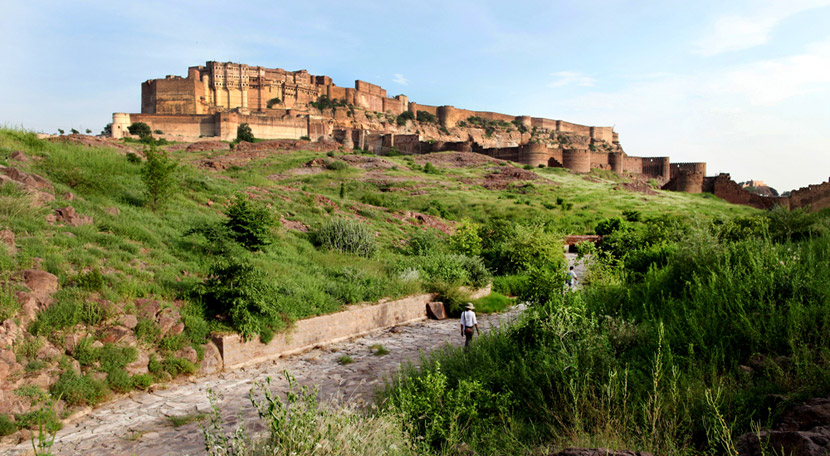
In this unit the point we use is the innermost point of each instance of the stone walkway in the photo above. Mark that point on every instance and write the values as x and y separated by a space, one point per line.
141 423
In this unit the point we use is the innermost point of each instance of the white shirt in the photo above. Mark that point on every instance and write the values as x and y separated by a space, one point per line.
468 318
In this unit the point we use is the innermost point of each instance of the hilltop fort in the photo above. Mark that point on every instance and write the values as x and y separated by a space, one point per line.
215 99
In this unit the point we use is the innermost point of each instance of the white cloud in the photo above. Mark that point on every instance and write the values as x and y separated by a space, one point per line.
736 33
769 82
400 79
563 78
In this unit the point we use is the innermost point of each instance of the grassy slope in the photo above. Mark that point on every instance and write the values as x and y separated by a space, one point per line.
144 254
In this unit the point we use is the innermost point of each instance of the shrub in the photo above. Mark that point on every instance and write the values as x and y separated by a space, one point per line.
610 225
147 330
176 366
466 240
158 177
119 381
424 116
7 426
78 390
63 314
272 102
337 165
139 129
305 138
403 117
240 291
141 381
345 359
249 223
85 353
133 158
244 133
423 242
429 168
347 236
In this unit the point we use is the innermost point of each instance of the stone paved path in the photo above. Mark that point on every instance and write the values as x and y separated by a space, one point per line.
140 424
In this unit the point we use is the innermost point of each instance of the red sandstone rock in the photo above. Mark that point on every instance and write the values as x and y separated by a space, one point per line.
70 217
41 283
294 225
168 320
128 321
116 334
436 311
147 308
212 361
139 366
7 238
30 181
803 430
112 211
69 196
203 146
188 353
19 156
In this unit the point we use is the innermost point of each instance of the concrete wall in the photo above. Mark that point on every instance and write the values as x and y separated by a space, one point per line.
322 330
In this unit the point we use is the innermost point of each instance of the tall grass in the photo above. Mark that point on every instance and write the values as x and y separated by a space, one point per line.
680 360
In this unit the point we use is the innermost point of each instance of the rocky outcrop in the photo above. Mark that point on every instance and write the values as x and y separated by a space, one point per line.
68 216
803 430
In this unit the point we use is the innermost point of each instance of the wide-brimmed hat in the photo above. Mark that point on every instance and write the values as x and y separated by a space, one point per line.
469 306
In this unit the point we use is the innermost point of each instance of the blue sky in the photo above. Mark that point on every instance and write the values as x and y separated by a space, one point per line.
742 85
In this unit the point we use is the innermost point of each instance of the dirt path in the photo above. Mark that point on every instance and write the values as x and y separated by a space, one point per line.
141 425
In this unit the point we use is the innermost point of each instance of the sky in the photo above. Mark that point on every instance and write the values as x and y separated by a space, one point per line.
742 85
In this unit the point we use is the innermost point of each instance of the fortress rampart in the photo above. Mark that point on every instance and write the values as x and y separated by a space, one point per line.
215 98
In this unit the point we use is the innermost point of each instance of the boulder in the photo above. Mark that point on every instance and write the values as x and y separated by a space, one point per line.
19 156
9 332
139 366
40 282
116 334
188 353
147 308
167 320
69 196
212 361
7 239
30 181
49 352
8 364
68 216
112 211
803 430
436 311
71 341
128 321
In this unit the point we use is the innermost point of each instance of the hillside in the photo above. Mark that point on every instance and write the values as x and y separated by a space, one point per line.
104 292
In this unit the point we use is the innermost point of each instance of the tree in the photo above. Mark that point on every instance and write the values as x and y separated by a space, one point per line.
88 131
107 131
249 223
140 129
158 177
74 131
244 133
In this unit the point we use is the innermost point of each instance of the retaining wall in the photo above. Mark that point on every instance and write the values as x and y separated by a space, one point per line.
327 329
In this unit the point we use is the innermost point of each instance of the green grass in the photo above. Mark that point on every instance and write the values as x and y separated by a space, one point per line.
345 359
493 303
131 252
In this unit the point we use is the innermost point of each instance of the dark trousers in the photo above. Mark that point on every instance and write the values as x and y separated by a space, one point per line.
468 337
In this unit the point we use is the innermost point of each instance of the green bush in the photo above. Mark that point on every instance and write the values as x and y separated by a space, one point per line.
403 117
249 223
235 288
141 381
424 116
272 102
337 165
63 314
244 133
119 381
147 330
140 129
347 236
7 425
85 353
78 390
177 366
423 242
158 175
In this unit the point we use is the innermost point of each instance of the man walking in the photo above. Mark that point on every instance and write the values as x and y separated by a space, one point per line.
468 322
